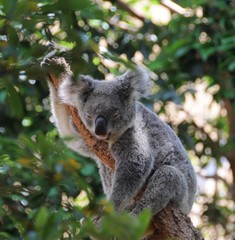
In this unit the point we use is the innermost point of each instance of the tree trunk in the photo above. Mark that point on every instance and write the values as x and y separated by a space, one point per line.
225 82
231 153
170 223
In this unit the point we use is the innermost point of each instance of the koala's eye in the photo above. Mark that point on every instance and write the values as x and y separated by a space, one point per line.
88 116
115 115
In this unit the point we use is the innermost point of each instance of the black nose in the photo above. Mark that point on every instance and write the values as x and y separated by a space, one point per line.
100 126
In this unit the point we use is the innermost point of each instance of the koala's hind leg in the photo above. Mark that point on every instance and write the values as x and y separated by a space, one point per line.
166 185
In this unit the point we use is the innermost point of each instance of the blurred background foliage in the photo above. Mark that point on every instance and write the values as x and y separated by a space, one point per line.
189 49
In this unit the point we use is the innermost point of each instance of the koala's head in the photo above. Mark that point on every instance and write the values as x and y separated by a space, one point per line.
107 108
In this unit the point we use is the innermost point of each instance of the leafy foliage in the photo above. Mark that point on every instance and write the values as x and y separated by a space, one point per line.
45 188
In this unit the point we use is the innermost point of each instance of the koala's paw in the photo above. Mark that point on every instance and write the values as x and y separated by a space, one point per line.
57 66
136 210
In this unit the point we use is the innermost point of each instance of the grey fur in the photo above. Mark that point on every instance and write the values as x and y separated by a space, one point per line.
145 149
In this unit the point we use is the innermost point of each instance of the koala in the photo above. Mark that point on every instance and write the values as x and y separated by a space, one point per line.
148 155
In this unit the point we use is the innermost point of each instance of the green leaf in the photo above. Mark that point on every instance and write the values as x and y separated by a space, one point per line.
143 222
74 5
14 101
207 52
5 236
231 66
115 58
70 5
228 40
41 218
176 46
88 169
229 93
3 95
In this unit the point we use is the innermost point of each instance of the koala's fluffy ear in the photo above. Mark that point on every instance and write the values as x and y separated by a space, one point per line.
71 91
85 85
136 83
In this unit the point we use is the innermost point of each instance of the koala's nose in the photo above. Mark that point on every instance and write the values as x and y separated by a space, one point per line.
100 126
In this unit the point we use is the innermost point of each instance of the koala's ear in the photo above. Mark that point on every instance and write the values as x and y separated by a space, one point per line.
85 85
136 83
70 91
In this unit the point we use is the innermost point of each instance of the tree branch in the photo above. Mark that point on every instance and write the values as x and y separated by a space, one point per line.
175 8
97 146
172 6
126 8
170 223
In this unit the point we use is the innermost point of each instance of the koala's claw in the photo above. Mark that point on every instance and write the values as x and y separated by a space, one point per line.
45 63
60 61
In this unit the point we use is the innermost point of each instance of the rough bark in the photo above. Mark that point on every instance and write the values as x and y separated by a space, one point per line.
225 82
231 154
170 223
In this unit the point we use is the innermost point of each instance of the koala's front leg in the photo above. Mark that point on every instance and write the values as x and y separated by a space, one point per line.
132 167
59 109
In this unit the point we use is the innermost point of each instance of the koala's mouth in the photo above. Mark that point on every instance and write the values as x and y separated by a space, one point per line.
103 137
